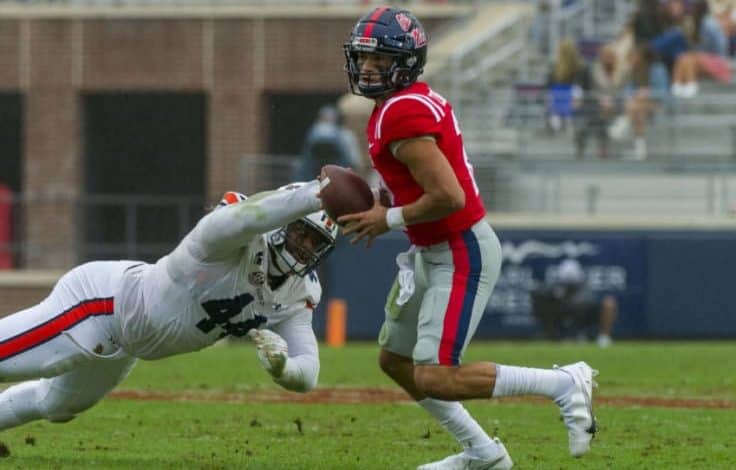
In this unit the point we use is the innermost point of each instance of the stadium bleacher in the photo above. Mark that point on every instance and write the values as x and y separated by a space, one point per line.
504 119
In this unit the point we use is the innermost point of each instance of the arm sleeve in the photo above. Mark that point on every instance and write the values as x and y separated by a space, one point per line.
301 372
229 228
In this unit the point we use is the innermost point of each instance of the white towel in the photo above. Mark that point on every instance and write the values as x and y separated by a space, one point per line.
405 262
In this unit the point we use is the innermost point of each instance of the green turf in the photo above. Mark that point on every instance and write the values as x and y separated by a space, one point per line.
156 434
666 369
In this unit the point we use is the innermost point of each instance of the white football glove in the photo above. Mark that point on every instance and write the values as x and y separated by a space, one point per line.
272 350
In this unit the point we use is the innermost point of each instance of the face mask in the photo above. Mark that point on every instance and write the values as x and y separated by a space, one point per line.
298 248
282 261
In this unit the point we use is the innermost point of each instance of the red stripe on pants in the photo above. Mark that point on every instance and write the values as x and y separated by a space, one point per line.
52 328
457 295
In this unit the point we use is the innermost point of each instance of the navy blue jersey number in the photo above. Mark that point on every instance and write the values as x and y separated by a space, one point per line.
221 311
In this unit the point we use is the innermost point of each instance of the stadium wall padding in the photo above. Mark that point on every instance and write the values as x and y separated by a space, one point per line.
669 283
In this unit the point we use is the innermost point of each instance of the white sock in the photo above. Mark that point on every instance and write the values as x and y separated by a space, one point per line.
18 405
457 421
512 380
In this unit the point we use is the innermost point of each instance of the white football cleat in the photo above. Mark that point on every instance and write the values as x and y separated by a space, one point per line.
576 407
463 461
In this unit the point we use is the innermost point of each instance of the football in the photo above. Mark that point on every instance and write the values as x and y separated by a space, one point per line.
343 191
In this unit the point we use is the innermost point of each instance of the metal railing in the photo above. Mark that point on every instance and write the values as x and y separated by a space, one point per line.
134 226
143 227
605 189
261 172
474 60
148 227
574 19
484 58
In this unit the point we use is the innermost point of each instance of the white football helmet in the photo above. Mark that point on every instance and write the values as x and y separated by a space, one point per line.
301 245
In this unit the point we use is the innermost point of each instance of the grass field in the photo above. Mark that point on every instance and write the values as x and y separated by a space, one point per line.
668 405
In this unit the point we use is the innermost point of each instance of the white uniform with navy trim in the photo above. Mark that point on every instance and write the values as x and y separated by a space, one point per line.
188 300
84 338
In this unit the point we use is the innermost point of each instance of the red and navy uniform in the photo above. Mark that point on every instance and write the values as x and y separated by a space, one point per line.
413 112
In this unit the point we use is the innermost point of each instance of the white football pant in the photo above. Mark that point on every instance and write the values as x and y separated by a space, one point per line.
64 342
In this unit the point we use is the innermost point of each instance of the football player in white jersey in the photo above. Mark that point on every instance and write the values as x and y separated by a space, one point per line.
245 269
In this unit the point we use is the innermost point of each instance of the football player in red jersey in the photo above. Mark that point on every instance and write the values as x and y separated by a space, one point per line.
446 278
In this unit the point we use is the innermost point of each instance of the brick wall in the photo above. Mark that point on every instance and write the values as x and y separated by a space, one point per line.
53 60
19 298
20 290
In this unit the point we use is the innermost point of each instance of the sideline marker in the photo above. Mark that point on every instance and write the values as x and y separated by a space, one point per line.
337 312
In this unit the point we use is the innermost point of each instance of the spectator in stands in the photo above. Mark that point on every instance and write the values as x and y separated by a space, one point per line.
707 57
602 100
708 33
647 92
725 12
647 21
671 40
564 84
328 142
566 307
689 44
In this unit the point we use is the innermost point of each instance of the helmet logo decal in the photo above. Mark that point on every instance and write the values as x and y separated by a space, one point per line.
404 21
420 39
365 43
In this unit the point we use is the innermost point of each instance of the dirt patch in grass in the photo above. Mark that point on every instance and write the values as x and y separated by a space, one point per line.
385 395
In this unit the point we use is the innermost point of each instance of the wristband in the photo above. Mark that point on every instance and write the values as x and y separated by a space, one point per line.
395 218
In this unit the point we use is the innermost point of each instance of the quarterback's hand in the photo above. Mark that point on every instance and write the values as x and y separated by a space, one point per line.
365 225
272 350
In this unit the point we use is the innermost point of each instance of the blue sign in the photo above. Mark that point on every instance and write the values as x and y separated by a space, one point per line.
612 265
669 284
